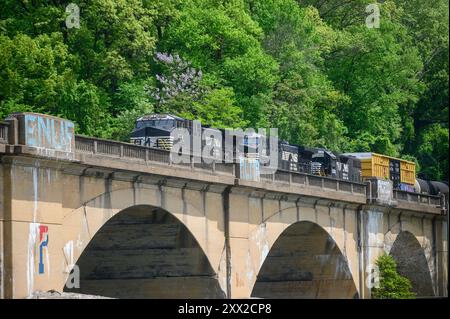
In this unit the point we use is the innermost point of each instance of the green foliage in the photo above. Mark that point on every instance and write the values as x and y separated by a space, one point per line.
310 68
32 70
382 78
433 152
218 109
392 284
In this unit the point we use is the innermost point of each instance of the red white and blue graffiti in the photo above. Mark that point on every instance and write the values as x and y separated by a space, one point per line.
43 242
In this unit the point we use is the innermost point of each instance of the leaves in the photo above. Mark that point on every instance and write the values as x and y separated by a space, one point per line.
392 284
308 67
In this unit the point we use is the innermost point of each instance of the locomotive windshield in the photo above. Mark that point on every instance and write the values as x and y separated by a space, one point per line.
159 123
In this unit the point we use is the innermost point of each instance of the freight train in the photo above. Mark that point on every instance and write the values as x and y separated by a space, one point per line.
154 130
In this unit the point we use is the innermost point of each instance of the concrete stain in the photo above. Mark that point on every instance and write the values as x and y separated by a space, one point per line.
35 171
32 237
68 254
260 237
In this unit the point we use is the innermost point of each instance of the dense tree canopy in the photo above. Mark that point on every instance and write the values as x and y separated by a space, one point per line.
312 68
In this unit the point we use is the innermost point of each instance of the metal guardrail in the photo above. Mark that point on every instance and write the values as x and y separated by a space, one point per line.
4 131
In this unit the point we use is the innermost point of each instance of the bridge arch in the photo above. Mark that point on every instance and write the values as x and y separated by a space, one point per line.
132 242
412 263
304 261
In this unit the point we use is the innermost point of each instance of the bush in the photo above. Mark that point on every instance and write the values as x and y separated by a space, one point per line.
392 284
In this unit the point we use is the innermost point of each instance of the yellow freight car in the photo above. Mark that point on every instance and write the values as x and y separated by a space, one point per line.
376 165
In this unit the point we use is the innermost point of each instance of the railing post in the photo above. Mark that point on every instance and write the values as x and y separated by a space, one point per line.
146 155
368 190
322 182
351 189
290 178
443 203
306 180
13 131
95 147
337 185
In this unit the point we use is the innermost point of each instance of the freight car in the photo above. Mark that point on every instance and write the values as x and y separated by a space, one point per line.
400 172
432 188
318 161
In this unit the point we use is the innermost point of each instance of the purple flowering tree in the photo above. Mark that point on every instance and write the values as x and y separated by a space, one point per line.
178 86
181 89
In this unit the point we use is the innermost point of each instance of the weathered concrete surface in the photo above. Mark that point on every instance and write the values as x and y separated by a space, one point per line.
141 253
412 263
151 235
305 262
416 241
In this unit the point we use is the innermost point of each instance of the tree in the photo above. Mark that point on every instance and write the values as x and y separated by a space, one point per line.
392 284
427 23
221 39
311 68
178 85
88 75
182 90
304 101
218 109
36 75
377 69
114 42
432 152
340 13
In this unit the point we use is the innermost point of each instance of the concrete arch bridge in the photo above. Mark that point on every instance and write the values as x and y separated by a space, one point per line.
138 226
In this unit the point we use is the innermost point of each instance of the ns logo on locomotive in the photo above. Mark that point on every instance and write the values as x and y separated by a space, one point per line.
182 136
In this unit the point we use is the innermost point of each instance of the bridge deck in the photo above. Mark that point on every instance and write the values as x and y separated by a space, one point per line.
142 160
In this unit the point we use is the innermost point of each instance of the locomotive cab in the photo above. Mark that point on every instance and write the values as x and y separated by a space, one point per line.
324 163
154 130
348 168
288 156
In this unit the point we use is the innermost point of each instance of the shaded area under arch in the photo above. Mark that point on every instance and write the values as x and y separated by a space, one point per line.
412 263
305 262
146 252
